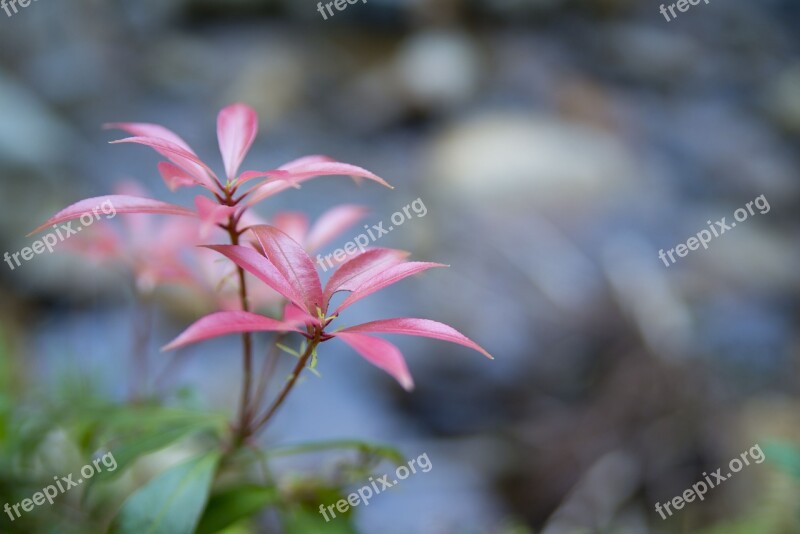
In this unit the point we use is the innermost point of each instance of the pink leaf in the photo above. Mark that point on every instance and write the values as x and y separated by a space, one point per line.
259 266
293 314
362 268
417 327
251 175
237 126
332 223
228 322
175 177
305 160
385 277
181 157
293 262
143 129
303 170
306 168
292 223
268 189
211 213
120 203
381 354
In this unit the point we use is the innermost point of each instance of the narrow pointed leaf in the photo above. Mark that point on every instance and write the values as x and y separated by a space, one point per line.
417 327
172 502
121 203
292 223
293 263
211 213
237 126
299 170
332 223
144 129
384 278
181 157
293 314
381 354
361 268
251 261
175 177
252 175
304 169
229 322
305 160
268 189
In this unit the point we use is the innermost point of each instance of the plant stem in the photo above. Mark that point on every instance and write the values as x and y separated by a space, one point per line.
245 412
268 370
301 364
142 321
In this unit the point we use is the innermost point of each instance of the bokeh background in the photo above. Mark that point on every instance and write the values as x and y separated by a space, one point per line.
557 146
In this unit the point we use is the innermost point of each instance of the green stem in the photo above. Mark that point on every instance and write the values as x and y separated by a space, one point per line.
268 370
301 364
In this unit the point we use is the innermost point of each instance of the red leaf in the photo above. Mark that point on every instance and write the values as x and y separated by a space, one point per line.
175 177
293 262
229 322
292 223
211 213
417 327
259 266
181 157
362 268
237 126
332 223
385 277
143 129
121 203
305 160
306 168
382 354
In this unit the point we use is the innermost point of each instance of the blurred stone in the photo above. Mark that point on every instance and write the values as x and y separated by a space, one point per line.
782 98
649 53
30 134
437 69
753 255
595 500
529 161
272 83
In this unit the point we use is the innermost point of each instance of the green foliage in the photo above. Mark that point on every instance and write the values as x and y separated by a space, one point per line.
785 456
304 520
172 502
231 506
363 447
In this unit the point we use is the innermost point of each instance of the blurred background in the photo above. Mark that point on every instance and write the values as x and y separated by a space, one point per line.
557 145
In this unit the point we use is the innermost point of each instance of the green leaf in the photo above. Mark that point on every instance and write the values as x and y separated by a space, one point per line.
384 451
302 520
134 446
172 502
786 456
286 349
231 506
